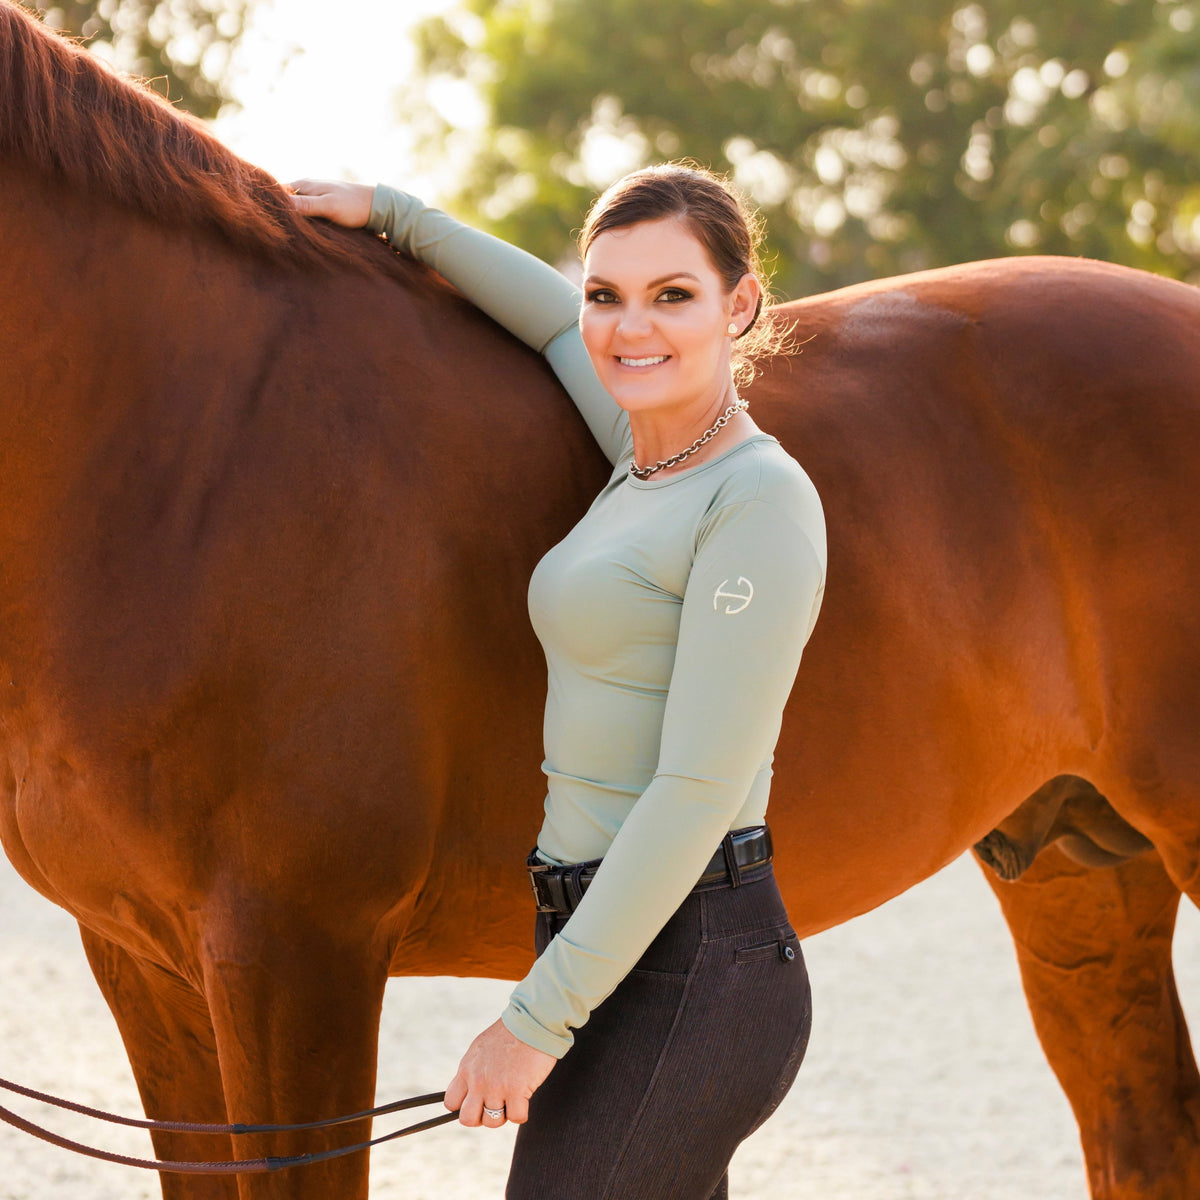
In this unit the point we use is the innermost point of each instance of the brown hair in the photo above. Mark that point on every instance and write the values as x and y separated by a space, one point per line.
720 220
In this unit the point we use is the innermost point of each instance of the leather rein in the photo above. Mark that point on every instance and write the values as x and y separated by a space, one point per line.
247 1166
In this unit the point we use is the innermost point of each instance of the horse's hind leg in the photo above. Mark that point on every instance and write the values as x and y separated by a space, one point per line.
1094 946
169 1039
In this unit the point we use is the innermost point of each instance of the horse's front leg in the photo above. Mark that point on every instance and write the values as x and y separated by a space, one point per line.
295 1007
169 1038
1094 946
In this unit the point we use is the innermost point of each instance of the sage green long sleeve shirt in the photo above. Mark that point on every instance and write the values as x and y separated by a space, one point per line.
672 617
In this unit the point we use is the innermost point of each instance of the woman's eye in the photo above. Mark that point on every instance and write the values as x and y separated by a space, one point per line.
675 295
601 296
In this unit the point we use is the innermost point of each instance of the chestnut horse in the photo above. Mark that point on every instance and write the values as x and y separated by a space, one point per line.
269 701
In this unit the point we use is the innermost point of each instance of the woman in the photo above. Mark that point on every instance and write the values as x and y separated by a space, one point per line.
664 1018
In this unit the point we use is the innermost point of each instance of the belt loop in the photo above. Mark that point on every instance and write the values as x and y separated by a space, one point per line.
574 885
731 862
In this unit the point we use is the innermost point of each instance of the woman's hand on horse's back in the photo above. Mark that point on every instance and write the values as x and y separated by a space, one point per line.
346 204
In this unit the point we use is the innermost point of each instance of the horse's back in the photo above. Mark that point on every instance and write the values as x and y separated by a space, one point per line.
1006 452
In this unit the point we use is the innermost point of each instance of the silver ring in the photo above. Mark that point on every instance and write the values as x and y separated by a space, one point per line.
497 1114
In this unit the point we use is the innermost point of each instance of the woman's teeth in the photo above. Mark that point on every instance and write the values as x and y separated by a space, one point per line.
642 362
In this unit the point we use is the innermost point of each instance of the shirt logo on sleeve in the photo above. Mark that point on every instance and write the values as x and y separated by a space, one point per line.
738 600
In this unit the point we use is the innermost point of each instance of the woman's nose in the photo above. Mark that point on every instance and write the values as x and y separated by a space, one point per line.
635 322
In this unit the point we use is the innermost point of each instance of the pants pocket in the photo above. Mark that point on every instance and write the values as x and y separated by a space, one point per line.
782 948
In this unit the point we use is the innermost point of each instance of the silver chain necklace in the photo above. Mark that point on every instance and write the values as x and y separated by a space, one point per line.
707 436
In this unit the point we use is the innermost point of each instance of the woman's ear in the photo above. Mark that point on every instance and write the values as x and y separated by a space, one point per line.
746 295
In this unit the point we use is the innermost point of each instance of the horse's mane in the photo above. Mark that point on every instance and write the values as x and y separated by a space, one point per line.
70 116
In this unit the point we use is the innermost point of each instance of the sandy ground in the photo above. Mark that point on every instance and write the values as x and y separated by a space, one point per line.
923 1081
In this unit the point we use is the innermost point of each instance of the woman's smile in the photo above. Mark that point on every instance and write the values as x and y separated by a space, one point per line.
642 364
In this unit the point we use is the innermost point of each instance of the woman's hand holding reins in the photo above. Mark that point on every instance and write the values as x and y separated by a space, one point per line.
499 1072
346 204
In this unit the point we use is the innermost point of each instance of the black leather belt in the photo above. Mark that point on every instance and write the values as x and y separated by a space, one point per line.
559 889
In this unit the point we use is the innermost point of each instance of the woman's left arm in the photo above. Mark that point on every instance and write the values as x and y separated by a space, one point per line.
751 602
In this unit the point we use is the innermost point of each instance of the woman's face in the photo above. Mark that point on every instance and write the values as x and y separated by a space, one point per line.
656 314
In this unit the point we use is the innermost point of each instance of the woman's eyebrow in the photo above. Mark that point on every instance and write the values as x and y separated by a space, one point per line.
596 281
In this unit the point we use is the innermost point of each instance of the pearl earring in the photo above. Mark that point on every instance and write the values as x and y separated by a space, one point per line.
732 330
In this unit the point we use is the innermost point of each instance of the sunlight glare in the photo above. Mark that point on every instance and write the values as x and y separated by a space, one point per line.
316 84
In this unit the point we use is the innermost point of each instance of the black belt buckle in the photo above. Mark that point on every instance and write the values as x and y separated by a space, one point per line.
535 869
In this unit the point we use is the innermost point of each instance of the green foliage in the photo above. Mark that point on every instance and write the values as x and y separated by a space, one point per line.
877 136
182 45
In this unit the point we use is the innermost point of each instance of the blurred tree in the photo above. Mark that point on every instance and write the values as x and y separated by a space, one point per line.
876 136
184 46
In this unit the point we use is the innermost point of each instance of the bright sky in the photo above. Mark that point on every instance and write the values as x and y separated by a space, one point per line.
317 82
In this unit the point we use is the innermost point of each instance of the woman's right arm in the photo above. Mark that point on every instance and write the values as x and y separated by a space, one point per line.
533 301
